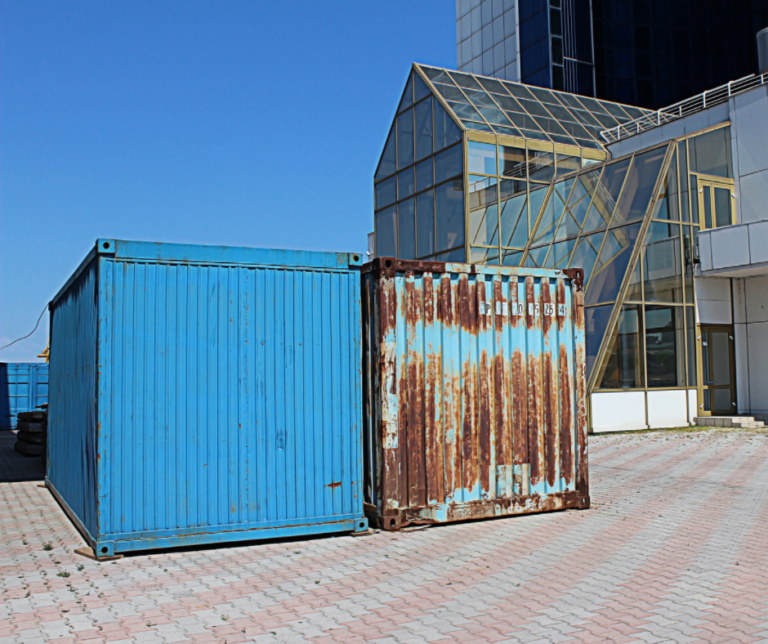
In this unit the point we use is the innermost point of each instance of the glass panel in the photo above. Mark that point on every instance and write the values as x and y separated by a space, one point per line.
550 125
561 114
386 192
567 164
465 111
475 125
420 89
667 205
425 223
407 99
423 129
722 400
706 196
535 108
480 99
635 287
523 121
406 230
578 203
455 255
517 90
405 183
448 163
512 162
449 214
405 139
560 254
514 214
483 255
595 322
494 116
537 135
541 165
544 95
424 175
386 232
665 346
483 211
689 253
710 153
437 75
387 163
492 85
557 138
683 165
452 93
536 256
512 258
721 357
585 254
723 214
446 131
576 130
481 158
508 130
615 110
586 118
550 216
690 323
537 194
694 200
623 363
639 186
508 103
465 80
606 193
612 264
662 265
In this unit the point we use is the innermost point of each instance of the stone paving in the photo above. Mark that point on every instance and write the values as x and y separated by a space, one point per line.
674 549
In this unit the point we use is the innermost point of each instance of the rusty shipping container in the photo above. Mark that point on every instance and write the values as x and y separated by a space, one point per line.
475 391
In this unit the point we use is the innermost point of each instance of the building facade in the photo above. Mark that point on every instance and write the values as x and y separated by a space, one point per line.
647 53
665 213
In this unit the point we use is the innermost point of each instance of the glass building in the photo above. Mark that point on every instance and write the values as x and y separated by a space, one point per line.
645 52
481 170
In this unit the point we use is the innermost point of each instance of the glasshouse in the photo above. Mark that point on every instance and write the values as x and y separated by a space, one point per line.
481 170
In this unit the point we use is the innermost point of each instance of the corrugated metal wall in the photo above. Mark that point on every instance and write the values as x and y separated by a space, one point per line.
475 401
23 386
72 421
232 396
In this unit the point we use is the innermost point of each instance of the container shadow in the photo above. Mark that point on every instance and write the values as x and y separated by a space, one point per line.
15 467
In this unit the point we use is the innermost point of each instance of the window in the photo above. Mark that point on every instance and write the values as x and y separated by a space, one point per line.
623 365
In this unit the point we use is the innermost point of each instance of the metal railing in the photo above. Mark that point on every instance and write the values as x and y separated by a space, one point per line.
689 106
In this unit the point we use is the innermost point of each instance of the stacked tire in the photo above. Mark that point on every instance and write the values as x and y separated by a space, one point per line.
32 433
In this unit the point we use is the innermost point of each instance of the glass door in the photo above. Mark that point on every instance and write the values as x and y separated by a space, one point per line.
715 203
718 370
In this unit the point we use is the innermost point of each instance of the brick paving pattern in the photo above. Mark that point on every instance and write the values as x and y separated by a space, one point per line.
674 549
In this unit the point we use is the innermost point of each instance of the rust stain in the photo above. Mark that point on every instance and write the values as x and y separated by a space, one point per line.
519 407
502 437
566 453
417 492
535 448
334 485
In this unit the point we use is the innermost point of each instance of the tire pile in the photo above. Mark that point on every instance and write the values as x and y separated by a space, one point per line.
32 433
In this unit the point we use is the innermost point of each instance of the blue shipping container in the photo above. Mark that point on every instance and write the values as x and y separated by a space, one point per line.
204 394
23 387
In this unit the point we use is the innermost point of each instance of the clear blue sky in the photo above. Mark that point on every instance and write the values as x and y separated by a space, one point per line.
240 123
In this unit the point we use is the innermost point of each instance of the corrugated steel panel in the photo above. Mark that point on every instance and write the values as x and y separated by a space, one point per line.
475 391
23 387
227 398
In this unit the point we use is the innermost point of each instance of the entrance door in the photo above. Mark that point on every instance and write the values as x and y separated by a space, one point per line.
715 204
718 370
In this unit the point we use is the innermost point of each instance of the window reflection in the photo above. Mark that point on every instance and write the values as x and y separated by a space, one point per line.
595 323
512 258
605 196
585 254
667 204
481 158
560 254
424 175
484 256
512 162
425 223
405 183
386 192
386 232
639 186
690 322
483 211
665 346
566 164
612 264
514 214
387 163
448 164
541 165
449 214
446 131
623 363
710 153
662 264
423 113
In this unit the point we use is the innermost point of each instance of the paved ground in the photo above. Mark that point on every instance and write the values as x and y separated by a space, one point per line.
675 549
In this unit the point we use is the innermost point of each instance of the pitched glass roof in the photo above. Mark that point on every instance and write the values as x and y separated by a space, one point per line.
493 105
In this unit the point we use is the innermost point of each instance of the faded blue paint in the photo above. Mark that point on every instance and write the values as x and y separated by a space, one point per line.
227 397
23 387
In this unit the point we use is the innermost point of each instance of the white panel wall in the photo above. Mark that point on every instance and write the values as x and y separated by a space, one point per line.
693 399
752 347
618 411
668 408
714 300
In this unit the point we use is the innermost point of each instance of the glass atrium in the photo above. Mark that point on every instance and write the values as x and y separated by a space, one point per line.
486 171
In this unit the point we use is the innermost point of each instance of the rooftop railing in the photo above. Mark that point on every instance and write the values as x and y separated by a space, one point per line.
689 106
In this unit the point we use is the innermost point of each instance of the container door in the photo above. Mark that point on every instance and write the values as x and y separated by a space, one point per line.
718 369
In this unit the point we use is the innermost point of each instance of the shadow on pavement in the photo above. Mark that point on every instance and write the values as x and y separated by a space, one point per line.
15 467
